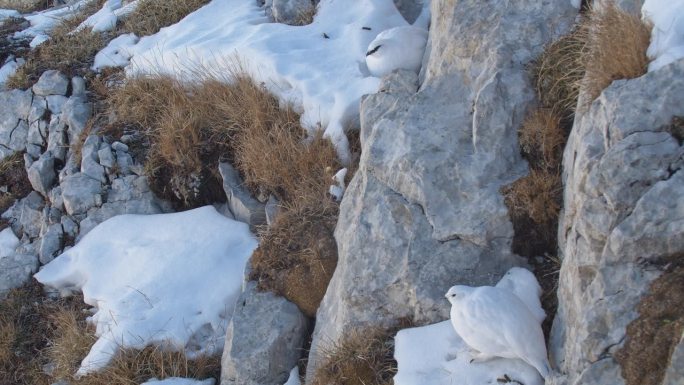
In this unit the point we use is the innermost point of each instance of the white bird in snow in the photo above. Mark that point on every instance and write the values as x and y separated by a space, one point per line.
497 323
523 283
396 48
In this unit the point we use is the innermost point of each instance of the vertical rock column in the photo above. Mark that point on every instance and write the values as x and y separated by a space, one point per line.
623 217
424 211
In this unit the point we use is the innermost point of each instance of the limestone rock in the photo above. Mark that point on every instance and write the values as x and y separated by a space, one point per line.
55 103
106 156
50 243
15 271
264 340
26 215
90 164
78 86
623 211
244 207
80 193
41 174
75 113
424 211
51 82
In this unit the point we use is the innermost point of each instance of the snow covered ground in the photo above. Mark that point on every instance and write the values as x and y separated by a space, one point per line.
320 68
167 279
436 355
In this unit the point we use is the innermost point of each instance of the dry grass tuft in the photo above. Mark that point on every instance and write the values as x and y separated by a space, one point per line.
559 71
615 48
26 6
542 139
152 15
297 256
306 16
364 357
13 175
536 195
133 367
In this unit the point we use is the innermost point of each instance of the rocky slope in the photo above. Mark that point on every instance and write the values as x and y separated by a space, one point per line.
425 210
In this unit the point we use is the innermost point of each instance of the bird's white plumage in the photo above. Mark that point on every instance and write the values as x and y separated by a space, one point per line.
396 48
496 323
523 284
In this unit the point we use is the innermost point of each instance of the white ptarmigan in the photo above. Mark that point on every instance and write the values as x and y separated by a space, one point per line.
497 323
522 283
396 48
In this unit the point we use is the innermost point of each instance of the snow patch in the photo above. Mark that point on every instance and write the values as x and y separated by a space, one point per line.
106 18
667 37
436 355
43 22
167 279
294 377
116 53
8 243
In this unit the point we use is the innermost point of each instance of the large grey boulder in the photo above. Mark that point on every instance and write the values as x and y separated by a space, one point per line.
42 174
51 82
424 211
623 212
244 207
264 340
80 193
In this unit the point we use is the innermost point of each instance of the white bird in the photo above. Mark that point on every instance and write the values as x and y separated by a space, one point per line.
523 283
396 48
497 323
338 188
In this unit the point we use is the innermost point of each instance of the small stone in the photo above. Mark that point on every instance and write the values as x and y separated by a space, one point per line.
69 227
55 198
78 86
118 146
26 215
51 82
272 209
80 192
244 207
50 243
41 174
106 157
55 103
89 159
75 114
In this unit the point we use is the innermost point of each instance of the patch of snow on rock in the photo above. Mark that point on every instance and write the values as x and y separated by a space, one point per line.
667 37
167 279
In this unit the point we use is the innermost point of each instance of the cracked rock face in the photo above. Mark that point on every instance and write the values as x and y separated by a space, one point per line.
424 211
624 211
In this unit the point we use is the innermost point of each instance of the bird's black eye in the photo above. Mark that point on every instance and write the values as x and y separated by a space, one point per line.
374 50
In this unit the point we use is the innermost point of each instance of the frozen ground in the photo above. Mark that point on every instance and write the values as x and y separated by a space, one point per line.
167 279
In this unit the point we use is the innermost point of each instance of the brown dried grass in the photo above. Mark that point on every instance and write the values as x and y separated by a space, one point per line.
652 337
13 175
616 44
536 196
542 139
363 357
558 72
152 15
